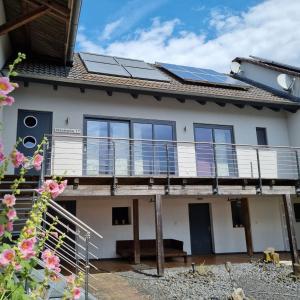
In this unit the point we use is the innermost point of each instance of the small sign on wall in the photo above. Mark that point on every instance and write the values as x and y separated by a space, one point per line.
67 130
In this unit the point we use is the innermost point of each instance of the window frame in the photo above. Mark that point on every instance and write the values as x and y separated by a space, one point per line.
128 216
265 136
213 127
241 215
131 122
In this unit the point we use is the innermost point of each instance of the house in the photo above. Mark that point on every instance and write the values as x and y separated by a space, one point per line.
160 151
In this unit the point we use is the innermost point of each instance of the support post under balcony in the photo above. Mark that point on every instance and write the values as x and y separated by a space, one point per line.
290 222
159 236
136 234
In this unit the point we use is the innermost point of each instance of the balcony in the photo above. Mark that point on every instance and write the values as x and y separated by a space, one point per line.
83 156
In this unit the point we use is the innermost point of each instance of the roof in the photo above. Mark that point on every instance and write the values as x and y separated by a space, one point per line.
42 29
77 75
270 64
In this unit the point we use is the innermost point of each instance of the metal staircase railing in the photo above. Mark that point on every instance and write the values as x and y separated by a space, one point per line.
81 242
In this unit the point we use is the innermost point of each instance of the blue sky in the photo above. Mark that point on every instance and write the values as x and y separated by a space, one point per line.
192 32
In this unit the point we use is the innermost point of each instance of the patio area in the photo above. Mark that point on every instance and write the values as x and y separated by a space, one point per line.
124 265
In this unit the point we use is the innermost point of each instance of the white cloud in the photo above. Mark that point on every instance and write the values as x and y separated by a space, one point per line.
270 29
110 28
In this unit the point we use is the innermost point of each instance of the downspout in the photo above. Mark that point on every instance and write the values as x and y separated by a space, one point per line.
73 33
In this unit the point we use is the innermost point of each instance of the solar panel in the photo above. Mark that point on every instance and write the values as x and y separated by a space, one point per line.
117 66
106 69
133 63
151 74
201 75
98 58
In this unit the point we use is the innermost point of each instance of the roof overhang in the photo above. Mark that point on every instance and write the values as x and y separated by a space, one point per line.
42 29
159 93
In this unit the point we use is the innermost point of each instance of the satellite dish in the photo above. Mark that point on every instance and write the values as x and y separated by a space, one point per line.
235 67
285 81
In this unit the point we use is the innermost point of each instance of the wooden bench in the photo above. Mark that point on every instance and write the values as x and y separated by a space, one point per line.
172 248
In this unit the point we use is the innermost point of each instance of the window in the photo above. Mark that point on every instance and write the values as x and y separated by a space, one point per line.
29 142
237 213
261 134
222 152
30 121
120 216
154 157
102 155
297 211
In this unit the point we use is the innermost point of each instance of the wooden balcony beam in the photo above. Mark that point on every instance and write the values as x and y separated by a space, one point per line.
54 6
60 14
23 19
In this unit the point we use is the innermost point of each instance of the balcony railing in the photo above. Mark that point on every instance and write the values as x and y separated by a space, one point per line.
96 156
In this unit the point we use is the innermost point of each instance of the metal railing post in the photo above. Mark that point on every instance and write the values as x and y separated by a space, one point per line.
87 265
42 172
298 167
114 185
259 171
168 169
216 186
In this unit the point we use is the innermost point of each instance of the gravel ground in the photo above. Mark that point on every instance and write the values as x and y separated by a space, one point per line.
258 280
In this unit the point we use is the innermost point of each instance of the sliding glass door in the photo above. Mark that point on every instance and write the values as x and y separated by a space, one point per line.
103 154
215 144
154 151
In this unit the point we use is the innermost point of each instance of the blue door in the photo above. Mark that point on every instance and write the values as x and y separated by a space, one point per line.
32 126
200 229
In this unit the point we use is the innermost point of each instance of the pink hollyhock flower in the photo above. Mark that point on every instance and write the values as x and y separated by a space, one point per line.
2 229
26 247
54 233
11 214
9 101
37 161
5 86
52 187
18 267
10 226
76 293
7 256
2 157
70 279
17 158
50 259
9 200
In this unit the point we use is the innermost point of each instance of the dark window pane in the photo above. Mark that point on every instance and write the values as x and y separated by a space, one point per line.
237 213
97 161
122 157
222 152
143 150
261 134
164 152
204 152
120 216
297 211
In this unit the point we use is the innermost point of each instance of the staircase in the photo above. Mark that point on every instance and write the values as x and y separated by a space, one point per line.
80 242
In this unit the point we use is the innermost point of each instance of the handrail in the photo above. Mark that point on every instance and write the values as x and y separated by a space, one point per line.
69 217
169 141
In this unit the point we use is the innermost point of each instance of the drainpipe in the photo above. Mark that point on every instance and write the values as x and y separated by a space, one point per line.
73 33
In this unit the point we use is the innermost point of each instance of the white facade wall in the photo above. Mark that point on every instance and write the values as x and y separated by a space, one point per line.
265 214
267 77
69 103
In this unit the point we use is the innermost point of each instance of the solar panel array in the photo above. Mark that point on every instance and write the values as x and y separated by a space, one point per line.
193 74
115 66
